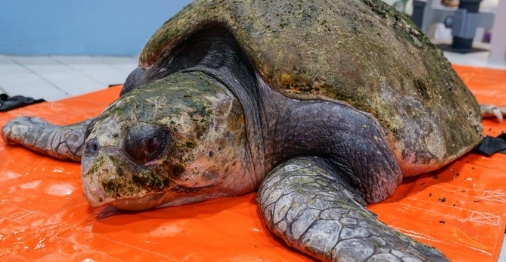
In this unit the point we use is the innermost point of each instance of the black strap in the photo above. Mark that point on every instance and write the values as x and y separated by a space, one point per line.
8 103
491 145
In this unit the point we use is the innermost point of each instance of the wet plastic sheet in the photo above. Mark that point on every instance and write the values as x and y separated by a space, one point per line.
44 217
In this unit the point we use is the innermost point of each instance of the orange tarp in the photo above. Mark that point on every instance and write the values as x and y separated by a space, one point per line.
44 217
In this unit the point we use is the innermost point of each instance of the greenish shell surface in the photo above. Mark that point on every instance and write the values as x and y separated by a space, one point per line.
361 52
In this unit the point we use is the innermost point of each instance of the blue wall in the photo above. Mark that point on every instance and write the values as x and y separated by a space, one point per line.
81 27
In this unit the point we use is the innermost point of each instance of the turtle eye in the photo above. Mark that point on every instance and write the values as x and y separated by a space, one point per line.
89 127
146 142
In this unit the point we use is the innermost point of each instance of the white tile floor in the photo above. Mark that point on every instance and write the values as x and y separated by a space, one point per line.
57 77
478 59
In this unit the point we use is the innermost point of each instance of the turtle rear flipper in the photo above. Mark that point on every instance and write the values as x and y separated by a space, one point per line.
319 213
62 142
492 111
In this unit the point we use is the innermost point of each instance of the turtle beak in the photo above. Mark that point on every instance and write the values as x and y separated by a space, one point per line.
96 197
94 194
110 178
138 204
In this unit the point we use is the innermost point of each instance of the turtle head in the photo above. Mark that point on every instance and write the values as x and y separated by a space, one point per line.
177 140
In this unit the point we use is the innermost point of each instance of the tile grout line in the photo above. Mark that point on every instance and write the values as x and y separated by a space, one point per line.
111 64
35 73
75 70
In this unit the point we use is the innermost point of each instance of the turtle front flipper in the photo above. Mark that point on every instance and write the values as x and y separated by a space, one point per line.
317 212
62 142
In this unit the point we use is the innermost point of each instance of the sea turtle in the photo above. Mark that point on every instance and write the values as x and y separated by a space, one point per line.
323 106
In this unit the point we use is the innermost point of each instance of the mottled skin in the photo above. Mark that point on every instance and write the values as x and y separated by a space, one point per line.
323 106
142 154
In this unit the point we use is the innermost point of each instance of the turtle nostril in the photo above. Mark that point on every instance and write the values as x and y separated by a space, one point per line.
92 146
145 143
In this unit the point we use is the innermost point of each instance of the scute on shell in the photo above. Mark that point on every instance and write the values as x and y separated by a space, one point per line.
361 52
